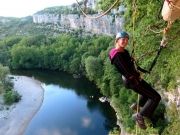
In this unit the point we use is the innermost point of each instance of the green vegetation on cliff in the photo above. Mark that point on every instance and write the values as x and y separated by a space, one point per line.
88 56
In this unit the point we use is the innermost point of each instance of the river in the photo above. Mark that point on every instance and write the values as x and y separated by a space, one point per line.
70 106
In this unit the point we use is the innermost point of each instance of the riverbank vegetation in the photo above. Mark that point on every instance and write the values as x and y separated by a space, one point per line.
88 56
6 87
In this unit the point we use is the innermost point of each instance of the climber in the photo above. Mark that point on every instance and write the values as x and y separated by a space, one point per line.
149 98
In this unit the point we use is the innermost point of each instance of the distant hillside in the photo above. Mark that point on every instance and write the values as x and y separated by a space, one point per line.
55 20
15 26
24 27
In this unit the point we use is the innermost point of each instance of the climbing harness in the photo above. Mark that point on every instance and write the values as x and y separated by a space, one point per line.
96 17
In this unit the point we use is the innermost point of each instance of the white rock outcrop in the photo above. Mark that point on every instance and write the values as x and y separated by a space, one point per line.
105 25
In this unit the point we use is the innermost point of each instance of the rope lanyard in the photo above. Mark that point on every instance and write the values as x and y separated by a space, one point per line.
162 45
163 42
96 17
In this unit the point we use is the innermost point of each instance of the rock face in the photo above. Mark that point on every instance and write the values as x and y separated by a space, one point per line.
105 25
174 97
43 18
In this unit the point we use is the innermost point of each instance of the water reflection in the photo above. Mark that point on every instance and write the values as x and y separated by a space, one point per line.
81 85
68 107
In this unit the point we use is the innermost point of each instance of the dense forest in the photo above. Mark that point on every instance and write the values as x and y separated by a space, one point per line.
73 9
88 56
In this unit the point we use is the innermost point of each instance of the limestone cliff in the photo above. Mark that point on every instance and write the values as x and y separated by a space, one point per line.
105 25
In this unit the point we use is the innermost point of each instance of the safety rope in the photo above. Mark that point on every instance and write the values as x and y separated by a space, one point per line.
134 8
156 32
171 6
134 14
137 109
162 45
96 17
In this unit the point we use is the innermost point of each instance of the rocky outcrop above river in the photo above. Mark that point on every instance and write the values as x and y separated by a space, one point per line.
173 97
105 25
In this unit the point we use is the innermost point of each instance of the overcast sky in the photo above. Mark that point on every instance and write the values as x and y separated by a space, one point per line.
22 8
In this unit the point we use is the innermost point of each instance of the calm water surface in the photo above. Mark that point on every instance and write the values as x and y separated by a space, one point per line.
68 107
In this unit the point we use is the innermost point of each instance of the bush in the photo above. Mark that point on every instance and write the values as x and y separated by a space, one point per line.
11 97
115 131
8 85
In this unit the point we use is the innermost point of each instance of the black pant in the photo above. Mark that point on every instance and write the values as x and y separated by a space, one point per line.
149 98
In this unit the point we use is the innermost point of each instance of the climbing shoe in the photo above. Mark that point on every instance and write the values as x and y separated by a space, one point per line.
135 107
139 120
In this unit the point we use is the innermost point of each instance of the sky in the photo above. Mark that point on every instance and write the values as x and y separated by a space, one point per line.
22 8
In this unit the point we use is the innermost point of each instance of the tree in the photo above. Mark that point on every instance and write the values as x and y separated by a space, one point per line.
94 68
105 4
75 65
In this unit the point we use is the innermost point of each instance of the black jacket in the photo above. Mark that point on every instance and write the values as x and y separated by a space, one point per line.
124 63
